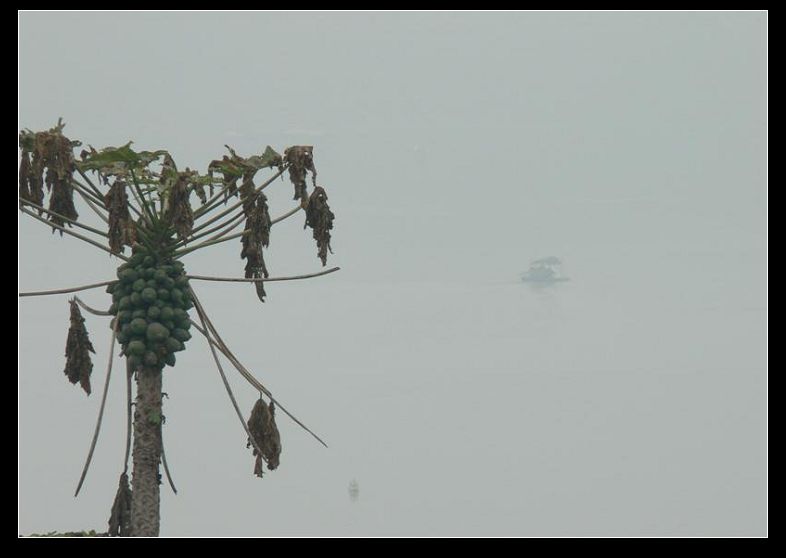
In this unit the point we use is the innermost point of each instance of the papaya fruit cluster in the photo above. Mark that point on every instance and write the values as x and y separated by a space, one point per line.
150 302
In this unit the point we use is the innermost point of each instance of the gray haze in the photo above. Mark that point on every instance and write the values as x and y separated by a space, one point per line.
455 148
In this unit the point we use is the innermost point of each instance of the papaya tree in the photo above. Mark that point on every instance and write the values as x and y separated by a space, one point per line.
154 214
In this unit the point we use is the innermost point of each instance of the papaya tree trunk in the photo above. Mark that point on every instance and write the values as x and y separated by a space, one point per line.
145 484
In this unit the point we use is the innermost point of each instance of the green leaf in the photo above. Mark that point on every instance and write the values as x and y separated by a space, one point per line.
125 156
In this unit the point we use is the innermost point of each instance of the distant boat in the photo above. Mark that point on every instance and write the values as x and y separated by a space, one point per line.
544 271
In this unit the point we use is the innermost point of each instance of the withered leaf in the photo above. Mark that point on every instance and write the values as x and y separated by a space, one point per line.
122 229
260 287
247 195
197 184
301 160
230 170
27 185
48 159
234 168
320 219
258 224
180 213
36 179
262 425
78 348
120 517
61 201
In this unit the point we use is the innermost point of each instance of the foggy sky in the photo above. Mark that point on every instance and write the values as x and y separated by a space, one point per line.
455 148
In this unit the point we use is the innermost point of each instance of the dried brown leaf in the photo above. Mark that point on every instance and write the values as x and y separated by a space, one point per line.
122 229
230 171
36 178
180 210
258 224
78 348
262 425
300 159
25 175
61 201
120 517
234 168
48 159
320 219
197 184
247 195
